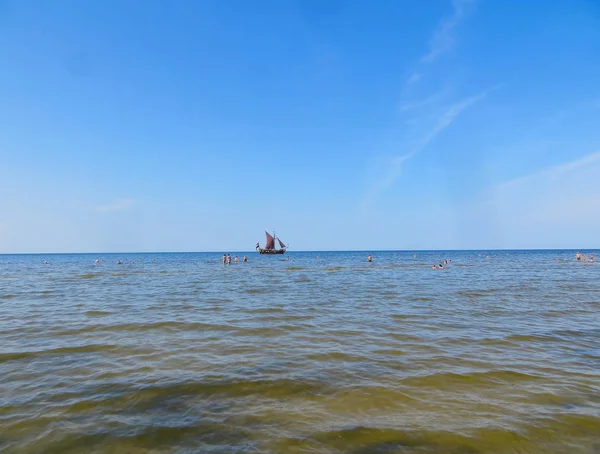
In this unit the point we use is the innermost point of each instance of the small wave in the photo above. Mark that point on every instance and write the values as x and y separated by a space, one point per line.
260 332
7 297
376 440
302 279
120 373
564 401
253 291
14 356
538 436
592 353
147 396
475 293
361 270
440 380
389 295
141 327
93 348
266 310
576 333
526 338
389 352
334 268
171 325
418 298
97 313
495 342
217 301
89 275
335 356
294 327
188 433
295 268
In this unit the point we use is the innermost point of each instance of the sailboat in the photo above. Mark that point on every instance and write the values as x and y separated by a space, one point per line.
270 245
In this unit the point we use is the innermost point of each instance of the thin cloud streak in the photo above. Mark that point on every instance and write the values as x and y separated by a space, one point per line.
431 99
117 205
562 196
414 78
447 119
443 40
552 172
443 122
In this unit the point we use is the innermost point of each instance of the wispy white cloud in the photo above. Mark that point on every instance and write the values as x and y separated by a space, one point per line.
117 205
443 38
587 105
553 207
442 123
551 173
414 78
446 120
397 162
429 106
434 98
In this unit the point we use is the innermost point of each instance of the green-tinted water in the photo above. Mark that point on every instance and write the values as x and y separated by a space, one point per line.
324 353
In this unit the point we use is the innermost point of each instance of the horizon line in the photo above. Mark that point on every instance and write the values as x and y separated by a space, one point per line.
303 251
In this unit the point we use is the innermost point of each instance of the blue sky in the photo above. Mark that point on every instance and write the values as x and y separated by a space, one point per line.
196 125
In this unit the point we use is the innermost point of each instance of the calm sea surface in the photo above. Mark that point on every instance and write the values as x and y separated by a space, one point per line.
324 353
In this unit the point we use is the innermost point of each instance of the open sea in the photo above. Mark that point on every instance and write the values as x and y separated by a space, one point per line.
322 353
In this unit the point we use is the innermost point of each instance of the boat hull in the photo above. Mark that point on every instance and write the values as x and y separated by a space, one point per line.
270 251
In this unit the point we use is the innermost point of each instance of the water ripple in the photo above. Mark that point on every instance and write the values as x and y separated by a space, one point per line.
322 353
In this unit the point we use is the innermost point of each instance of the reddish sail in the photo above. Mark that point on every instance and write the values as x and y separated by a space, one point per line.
270 245
270 242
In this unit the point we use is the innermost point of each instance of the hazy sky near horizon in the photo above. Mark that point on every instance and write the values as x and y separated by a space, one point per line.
196 125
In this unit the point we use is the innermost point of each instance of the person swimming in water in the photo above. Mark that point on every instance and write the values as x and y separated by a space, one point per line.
224 259
245 259
433 267
591 257
441 267
228 259
370 258
236 259
578 256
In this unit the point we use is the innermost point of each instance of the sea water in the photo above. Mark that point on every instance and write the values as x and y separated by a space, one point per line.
310 352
